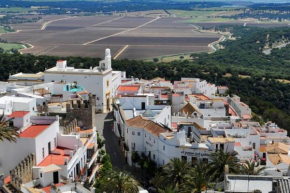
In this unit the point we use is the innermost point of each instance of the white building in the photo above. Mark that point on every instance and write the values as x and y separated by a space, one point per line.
9 104
162 143
101 81
58 156
26 79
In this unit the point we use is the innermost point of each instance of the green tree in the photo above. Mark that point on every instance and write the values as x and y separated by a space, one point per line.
119 182
7 132
251 168
220 159
173 174
197 180
168 189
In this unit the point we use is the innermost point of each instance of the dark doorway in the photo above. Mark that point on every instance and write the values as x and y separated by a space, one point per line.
143 105
189 132
254 145
78 169
49 148
222 146
55 177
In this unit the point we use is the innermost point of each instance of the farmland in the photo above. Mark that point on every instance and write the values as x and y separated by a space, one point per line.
128 37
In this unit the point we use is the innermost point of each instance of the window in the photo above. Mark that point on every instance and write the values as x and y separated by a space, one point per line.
55 142
193 160
153 156
222 146
184 158
133 146
127 130
205 160
43 152
41 175
108 83
145 134
163 147
149 137
138 133
154 140
133 132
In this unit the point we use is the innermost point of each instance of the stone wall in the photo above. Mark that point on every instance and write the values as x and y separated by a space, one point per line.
83 111
68 128
22 173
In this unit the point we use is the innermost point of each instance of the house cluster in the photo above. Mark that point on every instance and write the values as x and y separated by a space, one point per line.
54 115
190 119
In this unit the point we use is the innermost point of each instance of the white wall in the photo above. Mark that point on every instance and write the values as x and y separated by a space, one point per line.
42 140
11 154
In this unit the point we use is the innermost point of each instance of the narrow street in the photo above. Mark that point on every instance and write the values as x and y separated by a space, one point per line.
104 124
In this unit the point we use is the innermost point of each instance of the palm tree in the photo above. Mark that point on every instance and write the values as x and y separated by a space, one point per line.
119 182
168 189
197 180
220 159
251 168
173 174
6 131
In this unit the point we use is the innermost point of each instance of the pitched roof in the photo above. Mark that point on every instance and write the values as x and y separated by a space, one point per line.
277 148
33 131
17 114
42 91
142 123
278 158
189 109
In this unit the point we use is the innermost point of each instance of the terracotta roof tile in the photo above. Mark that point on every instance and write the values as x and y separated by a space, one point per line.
189 109
16 114
33 131
148 125
278 158
277 148
129 88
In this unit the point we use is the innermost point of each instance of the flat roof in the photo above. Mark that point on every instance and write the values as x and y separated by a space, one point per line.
17 114
129 88
56 158
15 99
33 131
23 75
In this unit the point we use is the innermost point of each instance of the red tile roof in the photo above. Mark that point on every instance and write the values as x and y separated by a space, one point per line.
7 179
238 144
91 145
148 125
33 131
47 189
16 114
129 88
200 96
232 111
54 158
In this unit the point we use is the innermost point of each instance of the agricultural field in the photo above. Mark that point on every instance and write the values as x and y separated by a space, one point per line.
128 37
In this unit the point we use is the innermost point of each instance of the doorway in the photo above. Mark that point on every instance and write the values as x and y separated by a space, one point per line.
55 178
143 105
108 102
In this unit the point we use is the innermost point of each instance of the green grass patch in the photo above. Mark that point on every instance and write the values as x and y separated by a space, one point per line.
9 46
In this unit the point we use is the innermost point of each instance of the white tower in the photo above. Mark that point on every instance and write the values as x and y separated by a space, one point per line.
106 64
